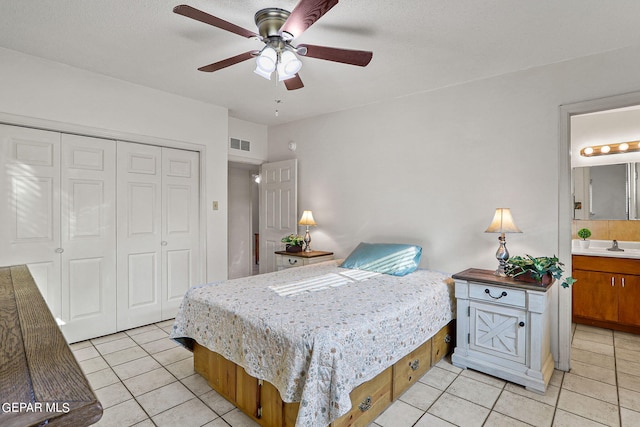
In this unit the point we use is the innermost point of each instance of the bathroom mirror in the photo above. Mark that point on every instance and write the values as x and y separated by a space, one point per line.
606 192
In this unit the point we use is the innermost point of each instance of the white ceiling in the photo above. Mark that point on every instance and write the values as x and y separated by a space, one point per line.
418 45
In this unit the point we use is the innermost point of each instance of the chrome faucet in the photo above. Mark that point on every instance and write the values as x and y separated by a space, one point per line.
615 248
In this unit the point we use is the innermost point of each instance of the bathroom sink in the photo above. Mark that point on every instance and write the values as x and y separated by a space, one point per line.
599 248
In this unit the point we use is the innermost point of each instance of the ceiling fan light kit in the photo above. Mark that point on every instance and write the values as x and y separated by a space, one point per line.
277 28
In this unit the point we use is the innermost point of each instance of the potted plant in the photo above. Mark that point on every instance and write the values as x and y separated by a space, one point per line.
542 270
293 242
584 234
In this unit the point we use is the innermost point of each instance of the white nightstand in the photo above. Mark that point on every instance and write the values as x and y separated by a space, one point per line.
297 259
503 328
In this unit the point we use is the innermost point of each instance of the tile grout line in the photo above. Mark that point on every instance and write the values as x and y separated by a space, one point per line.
440 394
220 416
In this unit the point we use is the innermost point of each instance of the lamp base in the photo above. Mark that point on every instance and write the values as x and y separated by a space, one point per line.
502 255
307 241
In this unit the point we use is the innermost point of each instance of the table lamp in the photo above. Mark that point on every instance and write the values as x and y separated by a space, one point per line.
307 219
502 223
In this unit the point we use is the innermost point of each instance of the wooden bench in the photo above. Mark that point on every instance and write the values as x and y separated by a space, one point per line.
40 379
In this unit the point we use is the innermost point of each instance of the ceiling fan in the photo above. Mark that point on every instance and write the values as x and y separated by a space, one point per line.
277 28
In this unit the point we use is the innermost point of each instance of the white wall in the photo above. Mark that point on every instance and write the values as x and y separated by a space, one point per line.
432 167
69 99
248 131
241 219
243 195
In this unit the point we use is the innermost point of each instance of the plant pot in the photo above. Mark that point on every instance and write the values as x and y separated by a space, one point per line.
528 277
584 244
293 248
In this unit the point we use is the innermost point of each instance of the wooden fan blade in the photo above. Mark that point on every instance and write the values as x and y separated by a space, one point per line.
294 83
305 14
229 61
360 58
198 15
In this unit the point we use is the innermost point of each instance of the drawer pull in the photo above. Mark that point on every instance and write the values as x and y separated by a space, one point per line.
415 365
488 292
521 324
447 339
365 405
294 261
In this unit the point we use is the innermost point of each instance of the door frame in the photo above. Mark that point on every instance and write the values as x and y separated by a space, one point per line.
565 204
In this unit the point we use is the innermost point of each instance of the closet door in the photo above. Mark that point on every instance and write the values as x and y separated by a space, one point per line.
180 227
139 234
88 236
30 215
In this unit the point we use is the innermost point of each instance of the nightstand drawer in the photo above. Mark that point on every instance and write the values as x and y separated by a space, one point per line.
299 259
291 261
497 294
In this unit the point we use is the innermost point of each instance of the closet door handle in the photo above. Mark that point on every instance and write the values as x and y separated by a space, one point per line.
164 243
59 250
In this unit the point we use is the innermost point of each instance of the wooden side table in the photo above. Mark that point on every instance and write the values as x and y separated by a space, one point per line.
297 259
503 328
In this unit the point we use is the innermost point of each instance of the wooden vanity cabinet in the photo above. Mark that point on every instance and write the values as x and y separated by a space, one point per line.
607 292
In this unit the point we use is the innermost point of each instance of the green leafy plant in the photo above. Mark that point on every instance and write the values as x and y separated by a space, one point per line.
538 267
584 233
293 240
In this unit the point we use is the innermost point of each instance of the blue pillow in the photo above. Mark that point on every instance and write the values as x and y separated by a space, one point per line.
388 258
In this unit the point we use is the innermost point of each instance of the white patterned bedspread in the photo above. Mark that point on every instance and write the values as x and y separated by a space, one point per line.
316 346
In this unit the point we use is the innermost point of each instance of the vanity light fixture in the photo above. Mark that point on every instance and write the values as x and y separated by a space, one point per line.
622 147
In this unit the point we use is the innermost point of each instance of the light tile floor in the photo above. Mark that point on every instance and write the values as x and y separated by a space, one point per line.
142 378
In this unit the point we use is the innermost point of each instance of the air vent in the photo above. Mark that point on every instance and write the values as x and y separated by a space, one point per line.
240 144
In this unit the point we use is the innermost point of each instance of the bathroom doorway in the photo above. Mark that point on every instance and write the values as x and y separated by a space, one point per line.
566 204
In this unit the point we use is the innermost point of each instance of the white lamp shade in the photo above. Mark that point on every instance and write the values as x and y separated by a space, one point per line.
289 65
307 219
267 60
502 222
262 73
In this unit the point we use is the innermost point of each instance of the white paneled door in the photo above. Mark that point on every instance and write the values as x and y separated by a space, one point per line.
180 230
30 214
88 236
59 219
158 231
278 208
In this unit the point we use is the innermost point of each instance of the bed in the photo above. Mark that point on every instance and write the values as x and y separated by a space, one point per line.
317 345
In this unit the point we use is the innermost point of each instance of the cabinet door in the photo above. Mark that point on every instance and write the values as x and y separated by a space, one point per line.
595 295
497 330
629 293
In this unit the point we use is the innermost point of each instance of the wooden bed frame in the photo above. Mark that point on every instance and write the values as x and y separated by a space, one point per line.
261 401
